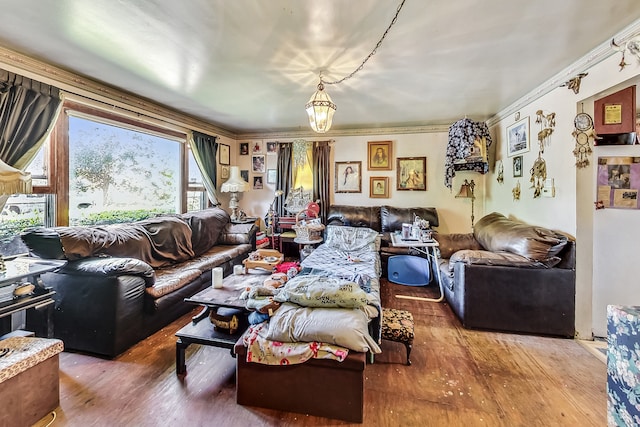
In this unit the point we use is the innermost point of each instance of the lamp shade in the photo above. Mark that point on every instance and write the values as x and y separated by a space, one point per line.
320 109
466 190
235 183
14 181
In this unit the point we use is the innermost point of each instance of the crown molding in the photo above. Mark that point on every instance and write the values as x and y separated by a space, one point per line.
396 130
595 56
67 81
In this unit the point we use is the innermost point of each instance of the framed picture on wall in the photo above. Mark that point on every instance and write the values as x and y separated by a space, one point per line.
224 172
379 156
257 163
517 166
379 187
411 174
518 137
256 147
348 178
258 184
225 154
244 173
271 176
244 148
272 147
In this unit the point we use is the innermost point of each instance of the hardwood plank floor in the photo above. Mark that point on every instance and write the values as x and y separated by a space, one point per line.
458 377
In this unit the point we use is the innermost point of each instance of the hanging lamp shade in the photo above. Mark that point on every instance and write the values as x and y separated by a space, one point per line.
320 109
14 181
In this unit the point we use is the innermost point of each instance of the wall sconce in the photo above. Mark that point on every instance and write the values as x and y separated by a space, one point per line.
466 192
234 185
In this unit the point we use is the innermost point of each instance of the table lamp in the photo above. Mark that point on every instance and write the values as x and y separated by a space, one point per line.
234 185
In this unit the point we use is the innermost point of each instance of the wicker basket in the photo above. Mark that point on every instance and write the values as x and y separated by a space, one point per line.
307 232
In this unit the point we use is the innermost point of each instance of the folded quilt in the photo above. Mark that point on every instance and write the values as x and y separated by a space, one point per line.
267 352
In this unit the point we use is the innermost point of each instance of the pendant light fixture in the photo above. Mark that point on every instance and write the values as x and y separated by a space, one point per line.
320 107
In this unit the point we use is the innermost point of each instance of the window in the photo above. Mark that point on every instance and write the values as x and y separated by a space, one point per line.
118 174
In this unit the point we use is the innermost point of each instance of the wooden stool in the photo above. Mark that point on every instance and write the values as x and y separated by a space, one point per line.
397 325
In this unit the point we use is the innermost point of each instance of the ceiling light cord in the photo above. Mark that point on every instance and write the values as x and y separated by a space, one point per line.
373 52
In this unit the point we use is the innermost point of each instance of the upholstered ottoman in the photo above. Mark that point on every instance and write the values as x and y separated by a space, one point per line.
29 382
397 325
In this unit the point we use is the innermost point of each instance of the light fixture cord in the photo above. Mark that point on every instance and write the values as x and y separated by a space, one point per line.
373 52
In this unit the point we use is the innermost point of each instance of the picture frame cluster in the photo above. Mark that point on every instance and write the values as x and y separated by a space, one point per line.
411 172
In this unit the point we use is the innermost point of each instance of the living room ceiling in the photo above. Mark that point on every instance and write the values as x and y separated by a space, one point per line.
250 66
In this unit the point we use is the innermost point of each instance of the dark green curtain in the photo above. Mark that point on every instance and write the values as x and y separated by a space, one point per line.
205 148
28 110
284 178
321 174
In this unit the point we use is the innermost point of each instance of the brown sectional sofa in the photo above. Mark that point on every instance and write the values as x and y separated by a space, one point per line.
510 276
123 282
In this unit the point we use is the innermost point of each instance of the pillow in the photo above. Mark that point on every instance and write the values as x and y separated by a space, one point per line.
448 244
501 258
43 242
346 327
322 291
352 238
495 232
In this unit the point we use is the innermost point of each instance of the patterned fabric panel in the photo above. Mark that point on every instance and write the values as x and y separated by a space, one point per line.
24 353
462 135
170 279
623 366
397 325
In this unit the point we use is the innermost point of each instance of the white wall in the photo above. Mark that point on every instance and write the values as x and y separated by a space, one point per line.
454 214
605 238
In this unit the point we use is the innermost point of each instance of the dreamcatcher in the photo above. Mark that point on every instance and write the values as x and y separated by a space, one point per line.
538 176
500 167
583 132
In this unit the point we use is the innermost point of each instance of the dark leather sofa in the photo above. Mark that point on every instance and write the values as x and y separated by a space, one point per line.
123 282
383 219
510 276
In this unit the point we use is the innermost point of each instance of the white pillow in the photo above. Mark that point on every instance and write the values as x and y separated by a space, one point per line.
346 327
352 238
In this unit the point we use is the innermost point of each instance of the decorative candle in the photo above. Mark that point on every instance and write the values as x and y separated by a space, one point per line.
216 277
238 270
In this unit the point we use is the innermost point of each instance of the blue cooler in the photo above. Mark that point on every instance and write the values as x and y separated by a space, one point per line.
408 270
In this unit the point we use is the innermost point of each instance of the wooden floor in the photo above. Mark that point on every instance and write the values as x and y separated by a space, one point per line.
458 377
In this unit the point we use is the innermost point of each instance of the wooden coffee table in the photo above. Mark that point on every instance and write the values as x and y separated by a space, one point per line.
203 332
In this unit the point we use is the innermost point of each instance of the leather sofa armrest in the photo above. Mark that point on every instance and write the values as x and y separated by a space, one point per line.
237 234
111 267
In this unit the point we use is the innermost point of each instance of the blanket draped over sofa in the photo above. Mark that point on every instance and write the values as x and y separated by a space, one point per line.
122 282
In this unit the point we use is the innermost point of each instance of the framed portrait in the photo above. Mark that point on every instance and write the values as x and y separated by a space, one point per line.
518 138
411 174
271 176
379 187
256 147
225 153
224 172
244 148
379 156
258 183
272 147
517 166
348 177
257 163
244 173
